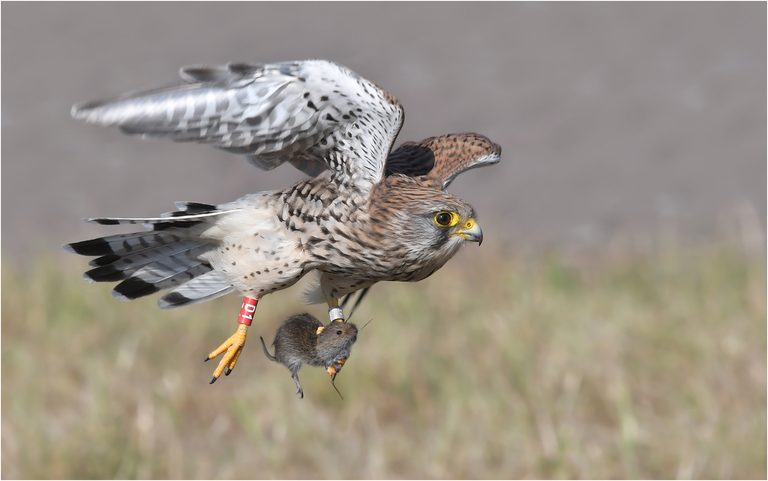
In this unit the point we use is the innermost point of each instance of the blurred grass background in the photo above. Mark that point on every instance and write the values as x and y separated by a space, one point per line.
618 331
499 366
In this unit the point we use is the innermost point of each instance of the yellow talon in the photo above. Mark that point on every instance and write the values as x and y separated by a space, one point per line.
231 348
231 365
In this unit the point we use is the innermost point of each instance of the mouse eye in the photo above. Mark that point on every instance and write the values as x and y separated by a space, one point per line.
338 333
445 218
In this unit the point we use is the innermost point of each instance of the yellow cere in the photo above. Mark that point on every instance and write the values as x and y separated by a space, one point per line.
469 224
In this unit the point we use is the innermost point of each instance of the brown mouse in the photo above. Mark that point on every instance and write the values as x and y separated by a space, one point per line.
302 339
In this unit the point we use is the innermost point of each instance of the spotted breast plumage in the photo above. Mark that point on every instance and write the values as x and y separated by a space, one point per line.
367 213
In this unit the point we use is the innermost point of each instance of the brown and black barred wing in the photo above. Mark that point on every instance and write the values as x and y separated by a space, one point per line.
444 157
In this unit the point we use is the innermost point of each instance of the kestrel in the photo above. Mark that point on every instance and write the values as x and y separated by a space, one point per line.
367 214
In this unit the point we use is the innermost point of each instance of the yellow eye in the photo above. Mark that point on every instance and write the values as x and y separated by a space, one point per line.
446 219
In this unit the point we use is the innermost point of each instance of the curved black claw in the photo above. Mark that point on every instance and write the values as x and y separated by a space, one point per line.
213 380
227 371
207 359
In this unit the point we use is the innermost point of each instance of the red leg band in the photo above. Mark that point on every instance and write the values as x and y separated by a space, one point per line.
247 310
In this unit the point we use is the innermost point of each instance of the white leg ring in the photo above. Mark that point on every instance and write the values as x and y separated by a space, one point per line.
336 314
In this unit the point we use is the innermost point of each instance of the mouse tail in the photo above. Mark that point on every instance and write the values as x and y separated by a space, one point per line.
266 352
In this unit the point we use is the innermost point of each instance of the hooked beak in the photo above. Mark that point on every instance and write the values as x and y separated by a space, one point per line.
470 231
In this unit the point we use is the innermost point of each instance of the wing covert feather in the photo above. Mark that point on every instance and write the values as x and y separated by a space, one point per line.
444 157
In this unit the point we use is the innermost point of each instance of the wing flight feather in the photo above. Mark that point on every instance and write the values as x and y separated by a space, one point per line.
315 114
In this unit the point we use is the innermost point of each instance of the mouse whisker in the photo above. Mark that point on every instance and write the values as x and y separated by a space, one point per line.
369 321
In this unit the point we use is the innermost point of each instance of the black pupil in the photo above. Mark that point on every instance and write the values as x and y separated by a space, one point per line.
444 218
338 333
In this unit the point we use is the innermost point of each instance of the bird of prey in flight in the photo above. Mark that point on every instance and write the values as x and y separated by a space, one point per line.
366 214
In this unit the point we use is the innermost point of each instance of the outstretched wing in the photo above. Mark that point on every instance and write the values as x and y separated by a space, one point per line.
442 158
314 114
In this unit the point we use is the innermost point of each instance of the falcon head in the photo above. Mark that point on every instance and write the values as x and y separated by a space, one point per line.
423 225
439 221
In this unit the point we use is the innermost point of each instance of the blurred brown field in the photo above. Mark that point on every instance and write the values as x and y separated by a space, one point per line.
499 366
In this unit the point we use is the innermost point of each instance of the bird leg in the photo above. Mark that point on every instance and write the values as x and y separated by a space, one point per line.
233 346
360 297
335 313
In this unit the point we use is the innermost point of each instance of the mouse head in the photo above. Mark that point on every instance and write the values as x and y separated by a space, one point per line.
335 341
